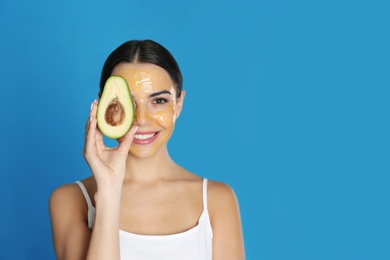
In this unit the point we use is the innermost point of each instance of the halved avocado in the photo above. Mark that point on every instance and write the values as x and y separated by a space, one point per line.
115 113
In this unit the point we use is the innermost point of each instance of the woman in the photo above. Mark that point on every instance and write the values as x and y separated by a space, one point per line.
138 203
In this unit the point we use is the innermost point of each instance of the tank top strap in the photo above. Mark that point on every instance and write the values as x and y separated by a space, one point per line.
204 190
91 208
85 193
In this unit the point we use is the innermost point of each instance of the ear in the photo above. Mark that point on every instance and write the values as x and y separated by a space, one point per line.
179 104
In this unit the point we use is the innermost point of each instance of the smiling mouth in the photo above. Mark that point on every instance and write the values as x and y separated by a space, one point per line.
144 137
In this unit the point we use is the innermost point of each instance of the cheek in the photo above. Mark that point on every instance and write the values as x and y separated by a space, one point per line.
166 116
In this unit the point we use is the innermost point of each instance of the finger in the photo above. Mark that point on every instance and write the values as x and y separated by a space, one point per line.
90 137
98 134
90 114
99 138
87 128
125 144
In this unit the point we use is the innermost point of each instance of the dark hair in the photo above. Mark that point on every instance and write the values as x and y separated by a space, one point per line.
146 51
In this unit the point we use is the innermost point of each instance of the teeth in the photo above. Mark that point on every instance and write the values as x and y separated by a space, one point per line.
143 137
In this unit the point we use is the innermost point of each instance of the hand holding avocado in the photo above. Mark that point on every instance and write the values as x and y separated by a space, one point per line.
107 164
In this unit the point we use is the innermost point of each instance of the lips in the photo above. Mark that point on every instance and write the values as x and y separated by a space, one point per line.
144 138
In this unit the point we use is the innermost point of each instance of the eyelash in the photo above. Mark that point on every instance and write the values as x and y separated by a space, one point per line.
160 101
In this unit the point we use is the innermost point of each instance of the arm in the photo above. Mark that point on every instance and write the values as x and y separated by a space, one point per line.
72 239
71 236
228 242
104 243
68 217
108 167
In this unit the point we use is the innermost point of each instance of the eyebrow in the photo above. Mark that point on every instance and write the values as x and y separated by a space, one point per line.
159 93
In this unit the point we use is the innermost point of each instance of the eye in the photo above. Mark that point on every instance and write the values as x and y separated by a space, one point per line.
160 101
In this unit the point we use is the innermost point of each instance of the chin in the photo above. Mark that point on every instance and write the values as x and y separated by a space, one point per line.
142 153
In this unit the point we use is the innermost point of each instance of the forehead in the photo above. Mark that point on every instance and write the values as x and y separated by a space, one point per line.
142 75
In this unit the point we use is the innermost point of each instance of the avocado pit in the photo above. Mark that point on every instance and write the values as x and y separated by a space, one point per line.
115 113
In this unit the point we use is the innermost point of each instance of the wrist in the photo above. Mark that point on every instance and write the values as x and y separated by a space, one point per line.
110 194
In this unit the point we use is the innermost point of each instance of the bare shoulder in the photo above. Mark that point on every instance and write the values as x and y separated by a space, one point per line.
225 220
221 198
65 197
69 215
70 196
220 191
66 216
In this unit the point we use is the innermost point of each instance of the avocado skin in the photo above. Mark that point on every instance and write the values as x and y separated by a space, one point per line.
115 90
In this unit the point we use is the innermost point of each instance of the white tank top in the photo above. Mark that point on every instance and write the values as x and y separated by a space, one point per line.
193 244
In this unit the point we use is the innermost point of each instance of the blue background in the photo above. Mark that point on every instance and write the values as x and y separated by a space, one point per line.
287 102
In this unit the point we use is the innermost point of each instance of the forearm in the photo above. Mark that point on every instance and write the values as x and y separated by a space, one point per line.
104 243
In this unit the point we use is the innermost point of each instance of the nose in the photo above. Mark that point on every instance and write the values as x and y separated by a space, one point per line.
142 116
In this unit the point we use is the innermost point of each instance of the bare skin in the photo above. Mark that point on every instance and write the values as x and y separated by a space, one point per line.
137 187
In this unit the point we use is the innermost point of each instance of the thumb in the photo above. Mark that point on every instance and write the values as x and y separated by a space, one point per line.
127 139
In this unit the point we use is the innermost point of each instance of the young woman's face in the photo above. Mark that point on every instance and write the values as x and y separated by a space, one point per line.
156 106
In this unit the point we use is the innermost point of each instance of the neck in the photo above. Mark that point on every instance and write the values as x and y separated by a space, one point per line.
152 169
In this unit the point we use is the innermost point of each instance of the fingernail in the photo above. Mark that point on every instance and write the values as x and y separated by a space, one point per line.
94 102
90 119
135 130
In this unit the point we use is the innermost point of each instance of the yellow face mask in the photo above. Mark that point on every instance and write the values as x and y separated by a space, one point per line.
156 106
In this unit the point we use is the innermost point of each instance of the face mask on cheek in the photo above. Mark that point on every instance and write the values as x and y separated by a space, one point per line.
166 114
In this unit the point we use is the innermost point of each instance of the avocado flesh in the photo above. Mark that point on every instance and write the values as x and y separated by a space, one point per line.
115 113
